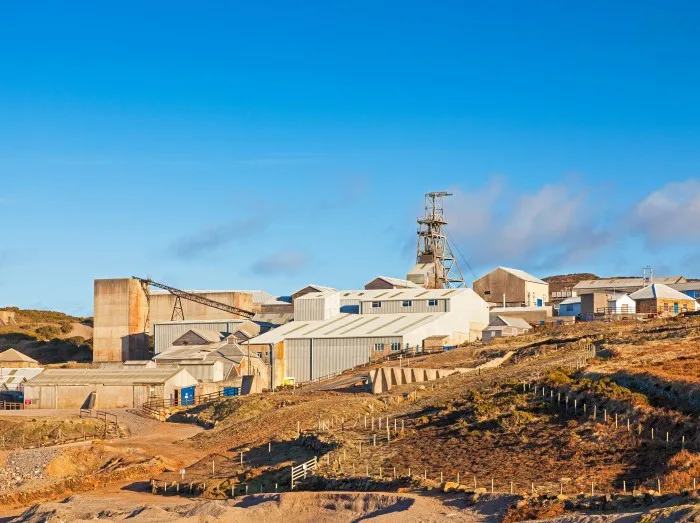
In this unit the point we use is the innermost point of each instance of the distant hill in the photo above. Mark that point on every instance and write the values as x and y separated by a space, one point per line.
563 281
48 336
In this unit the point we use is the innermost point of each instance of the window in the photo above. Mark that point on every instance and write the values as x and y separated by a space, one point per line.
432 303
376 304
406 303
569 308
685 307
378 347
259 354
396 346
487 292
665 307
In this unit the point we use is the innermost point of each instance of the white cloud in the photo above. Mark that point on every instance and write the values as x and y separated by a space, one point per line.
669 215
546 228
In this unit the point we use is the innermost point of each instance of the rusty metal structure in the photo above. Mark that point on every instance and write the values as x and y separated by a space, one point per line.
433 246
179 294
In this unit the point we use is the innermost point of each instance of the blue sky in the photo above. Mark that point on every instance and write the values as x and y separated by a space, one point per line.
230 145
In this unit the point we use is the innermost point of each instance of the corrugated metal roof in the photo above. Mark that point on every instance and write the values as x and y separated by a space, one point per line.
394 281
688 286
364 326
659 290
571 301
393 294
421 268
606 283
226 352
523 275
520 309
12 378
513 322
103 376
210 336
274 318
14 355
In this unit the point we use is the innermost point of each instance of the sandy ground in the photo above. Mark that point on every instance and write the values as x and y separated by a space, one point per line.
294 507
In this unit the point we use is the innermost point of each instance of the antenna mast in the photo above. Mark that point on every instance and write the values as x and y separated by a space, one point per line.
433 246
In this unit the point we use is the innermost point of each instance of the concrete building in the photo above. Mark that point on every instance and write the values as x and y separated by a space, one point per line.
512 288
658 298
385 282
621 303
123 310
505 326
14 359
570 306
592 303
387 322
621 285
8 318
121 313
103 388
532 315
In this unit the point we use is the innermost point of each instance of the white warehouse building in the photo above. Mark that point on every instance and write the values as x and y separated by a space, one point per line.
328 341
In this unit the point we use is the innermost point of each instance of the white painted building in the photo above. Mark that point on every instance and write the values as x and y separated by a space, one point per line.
388 321
621 303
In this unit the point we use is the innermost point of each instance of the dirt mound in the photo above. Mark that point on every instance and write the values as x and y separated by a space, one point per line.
290 507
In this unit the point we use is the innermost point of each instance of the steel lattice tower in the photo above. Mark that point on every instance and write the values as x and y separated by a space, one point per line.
433 246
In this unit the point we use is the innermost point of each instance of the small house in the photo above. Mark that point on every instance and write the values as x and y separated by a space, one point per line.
505 326
570 306
621 303
658 298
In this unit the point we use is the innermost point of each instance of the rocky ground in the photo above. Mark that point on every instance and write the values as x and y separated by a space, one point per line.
24 467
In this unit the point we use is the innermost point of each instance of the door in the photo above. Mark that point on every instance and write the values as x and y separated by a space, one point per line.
186 396
539 303
675 308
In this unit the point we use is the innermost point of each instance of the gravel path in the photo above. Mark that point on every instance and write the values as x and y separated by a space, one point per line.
24 466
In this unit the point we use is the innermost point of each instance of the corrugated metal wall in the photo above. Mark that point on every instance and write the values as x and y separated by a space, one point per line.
396 306
310 359
321 308
166 333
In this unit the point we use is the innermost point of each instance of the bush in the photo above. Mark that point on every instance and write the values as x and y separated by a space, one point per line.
47 332
66 327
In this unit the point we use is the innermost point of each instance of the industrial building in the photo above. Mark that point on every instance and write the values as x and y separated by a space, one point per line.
209 358
505 326
14 359
327 341
126 310
512 288
622 285
103 388
662 299
165 333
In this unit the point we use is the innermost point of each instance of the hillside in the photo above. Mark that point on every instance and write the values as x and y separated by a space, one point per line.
48 336
566 281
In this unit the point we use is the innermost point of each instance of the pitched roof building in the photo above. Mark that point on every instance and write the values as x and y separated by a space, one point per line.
512 288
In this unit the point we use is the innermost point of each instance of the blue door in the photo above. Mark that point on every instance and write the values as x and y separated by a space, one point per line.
675 308
539 303
187 396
